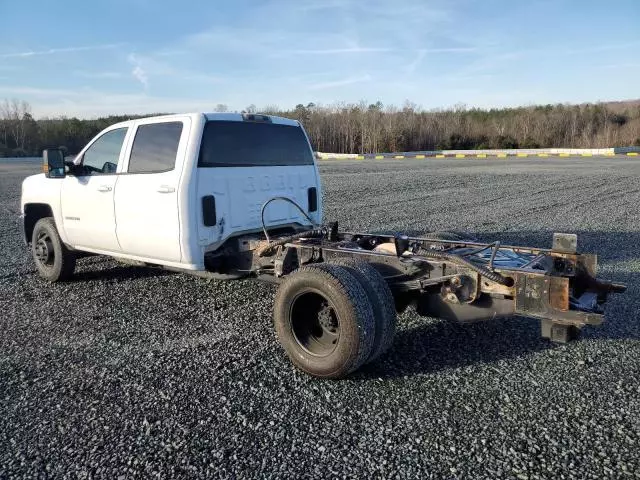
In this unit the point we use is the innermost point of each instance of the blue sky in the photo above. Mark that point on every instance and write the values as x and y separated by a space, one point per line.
90 58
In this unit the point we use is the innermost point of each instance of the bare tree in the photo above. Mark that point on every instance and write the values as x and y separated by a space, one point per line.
15 115
371 127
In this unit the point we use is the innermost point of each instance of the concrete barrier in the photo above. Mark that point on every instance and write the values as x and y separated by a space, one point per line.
511 152
627 150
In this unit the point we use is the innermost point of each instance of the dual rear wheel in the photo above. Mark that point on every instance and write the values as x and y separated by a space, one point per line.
332 318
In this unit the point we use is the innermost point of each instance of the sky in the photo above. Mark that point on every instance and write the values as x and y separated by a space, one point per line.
93 58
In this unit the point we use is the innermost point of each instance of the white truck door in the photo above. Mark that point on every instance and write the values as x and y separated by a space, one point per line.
87 198
146 196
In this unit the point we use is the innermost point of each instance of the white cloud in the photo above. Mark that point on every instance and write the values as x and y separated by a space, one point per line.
601 48
146 66
141 76
52 51
90 103
336 51
138 72
315 5
97 75
616 66
38 92
340 83
412 67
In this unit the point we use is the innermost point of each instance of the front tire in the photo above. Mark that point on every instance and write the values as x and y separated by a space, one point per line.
54 261
324 321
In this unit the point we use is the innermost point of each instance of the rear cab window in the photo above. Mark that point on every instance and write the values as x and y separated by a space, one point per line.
253 144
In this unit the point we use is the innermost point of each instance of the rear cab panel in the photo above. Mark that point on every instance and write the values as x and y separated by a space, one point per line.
243 162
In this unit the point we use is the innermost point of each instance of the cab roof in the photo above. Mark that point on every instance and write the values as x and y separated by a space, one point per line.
229 117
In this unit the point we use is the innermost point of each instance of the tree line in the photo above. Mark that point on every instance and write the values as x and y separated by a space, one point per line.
371 128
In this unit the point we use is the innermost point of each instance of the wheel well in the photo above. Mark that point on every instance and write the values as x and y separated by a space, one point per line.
32 213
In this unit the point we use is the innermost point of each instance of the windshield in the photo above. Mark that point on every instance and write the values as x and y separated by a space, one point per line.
253 144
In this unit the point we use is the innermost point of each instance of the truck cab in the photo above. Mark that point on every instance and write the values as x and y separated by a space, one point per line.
177 190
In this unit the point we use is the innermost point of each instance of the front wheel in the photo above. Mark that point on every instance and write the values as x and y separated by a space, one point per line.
54 261
324 320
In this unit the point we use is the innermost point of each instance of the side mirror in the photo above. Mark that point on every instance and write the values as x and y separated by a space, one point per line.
53 163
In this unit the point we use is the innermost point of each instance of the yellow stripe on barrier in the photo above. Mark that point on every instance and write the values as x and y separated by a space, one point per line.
399 156
501 155
379 157
632 154
360 157
419 156
587 154
543 154
564 154
439 155
610 154
482 155
459 155
523 154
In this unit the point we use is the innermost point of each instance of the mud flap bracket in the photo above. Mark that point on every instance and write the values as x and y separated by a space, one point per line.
557 332
547 298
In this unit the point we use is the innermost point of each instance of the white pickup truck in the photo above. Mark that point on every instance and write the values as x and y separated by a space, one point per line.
238 195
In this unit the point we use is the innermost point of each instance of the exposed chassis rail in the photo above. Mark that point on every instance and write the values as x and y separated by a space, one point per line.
460 280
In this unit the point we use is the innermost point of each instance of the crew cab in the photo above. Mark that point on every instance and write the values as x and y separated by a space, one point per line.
233 195
169 190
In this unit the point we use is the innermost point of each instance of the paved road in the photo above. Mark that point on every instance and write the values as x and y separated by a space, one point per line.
127 371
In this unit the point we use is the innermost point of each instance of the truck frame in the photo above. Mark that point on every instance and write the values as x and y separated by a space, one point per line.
445 276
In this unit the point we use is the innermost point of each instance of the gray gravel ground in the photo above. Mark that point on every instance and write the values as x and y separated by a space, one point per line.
127 372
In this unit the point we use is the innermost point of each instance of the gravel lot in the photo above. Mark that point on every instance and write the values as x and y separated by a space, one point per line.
128 372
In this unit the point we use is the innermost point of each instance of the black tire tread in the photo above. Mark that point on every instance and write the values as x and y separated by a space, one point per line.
342 281
381 300
65 259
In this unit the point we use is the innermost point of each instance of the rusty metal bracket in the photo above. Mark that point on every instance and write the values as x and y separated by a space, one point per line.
547 297
565 242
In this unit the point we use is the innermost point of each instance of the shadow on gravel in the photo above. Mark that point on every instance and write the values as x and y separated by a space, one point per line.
431 345
118 273
443 345
17 275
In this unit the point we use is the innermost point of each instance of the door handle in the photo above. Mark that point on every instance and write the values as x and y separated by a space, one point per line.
166 189
104 188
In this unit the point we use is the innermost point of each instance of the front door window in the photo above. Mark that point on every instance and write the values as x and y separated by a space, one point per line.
103 155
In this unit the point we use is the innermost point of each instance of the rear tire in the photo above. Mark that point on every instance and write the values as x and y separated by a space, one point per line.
54 261
324 320
381 299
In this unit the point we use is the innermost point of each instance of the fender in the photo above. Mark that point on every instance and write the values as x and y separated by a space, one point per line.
40 190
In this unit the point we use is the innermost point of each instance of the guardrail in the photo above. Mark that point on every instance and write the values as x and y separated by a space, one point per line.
514 152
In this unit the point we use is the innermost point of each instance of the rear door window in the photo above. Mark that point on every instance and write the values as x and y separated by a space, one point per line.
253 144
155 147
